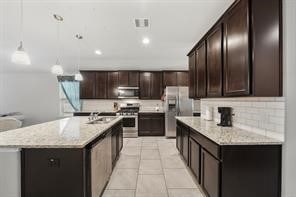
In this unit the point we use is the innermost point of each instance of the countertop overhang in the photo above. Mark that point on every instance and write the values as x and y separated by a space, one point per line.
226 135
71 132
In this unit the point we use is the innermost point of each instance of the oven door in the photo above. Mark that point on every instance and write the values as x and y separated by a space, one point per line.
130 123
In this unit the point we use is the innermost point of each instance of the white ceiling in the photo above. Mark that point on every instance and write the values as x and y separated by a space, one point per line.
176 25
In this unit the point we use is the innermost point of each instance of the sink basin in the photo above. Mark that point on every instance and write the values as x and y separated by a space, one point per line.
102 120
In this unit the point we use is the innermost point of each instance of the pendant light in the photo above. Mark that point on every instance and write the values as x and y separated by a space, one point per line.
78 76
20 56
57 69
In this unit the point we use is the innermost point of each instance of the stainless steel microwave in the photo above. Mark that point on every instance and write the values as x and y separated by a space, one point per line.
128 92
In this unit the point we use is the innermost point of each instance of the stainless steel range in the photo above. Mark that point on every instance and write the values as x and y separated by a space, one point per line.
129 111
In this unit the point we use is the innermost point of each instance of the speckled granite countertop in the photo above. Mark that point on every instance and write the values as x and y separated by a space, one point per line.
226 135
65 133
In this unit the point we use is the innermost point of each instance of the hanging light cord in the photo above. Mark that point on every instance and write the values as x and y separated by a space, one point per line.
58 43
21 22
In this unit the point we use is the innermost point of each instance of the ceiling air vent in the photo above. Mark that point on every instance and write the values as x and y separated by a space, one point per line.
142 22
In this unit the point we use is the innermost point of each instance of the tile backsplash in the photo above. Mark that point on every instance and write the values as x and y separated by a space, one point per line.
263 115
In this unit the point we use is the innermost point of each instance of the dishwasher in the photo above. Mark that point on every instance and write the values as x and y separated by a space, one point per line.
10 172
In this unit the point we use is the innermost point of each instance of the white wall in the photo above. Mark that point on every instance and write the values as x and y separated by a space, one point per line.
34 94
289 148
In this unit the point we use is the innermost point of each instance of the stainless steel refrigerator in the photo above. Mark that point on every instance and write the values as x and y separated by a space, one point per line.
177 103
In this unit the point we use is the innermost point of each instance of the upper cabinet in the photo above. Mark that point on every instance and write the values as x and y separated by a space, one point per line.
236 51
150 85
191 74
214 62
101 85
113 82
201 71
243 53
128 78
87 86
175 78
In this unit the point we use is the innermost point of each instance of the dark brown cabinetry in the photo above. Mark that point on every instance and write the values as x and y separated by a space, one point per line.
75 172
113 85
231 170
151 124
101 85
150 85
191 74
201 71
236 51
182 78
210 174
214 62
175 78
128 78
145 85
194 159
88 85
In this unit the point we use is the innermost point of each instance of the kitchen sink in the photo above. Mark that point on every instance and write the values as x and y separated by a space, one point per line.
102 120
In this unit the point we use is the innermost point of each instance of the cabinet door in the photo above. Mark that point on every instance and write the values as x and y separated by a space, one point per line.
182 78
114 146
194 158
108 152
112 85
133 78
156 85
201 72
101 85
123 78
87 86
214 63
236 51
157 124
145 90
144 125
191 74
179 138
98 169
169 78
210 174
185 143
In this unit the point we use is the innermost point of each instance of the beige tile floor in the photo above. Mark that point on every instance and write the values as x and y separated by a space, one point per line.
151 167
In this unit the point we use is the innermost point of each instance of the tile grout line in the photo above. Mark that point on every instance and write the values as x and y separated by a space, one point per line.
165 183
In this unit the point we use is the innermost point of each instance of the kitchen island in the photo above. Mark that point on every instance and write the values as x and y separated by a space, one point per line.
67 157
228 161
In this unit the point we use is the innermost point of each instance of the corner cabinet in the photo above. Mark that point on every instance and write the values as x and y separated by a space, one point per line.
88 85
214 62
230 170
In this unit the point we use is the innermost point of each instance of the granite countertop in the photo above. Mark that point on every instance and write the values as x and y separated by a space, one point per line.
65 133
151 111
226 135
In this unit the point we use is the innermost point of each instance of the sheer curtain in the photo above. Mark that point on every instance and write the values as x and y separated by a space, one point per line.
71 89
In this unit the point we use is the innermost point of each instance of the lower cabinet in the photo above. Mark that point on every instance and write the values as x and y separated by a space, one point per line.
210 176
230 170
194 158
75 172
185 143
151 124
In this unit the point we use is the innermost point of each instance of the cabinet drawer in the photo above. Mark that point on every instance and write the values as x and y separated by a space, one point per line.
207 144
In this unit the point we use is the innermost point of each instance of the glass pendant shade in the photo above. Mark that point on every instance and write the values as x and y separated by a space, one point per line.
57 69
78 77
20 56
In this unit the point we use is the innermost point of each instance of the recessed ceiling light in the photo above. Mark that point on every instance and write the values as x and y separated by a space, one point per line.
98 52
146 41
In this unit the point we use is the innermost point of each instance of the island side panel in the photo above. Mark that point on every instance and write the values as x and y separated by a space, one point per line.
251 170
53 172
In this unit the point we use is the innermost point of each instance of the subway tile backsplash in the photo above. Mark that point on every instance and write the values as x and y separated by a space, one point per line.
262 115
